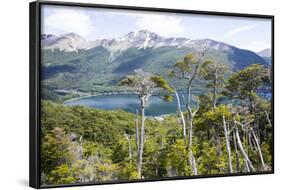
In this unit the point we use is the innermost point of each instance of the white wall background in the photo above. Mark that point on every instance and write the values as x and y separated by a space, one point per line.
14 95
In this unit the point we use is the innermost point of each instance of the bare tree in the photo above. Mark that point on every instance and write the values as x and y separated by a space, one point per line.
227 146
188 70
181 114
259 148
137 129
144 84
240 146
236 153
247 127
268 119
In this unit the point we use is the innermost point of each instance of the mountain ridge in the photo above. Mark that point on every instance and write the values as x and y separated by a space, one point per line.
72 62
266 55
139 39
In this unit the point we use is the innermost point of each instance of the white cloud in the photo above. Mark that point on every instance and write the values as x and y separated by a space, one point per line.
158 23
238 30
163 25
66 21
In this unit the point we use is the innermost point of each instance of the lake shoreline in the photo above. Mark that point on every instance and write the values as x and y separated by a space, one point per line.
127 101
98 94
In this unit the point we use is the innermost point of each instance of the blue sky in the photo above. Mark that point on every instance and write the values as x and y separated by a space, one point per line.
247 33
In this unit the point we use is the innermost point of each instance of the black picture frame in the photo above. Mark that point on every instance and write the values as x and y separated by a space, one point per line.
35 108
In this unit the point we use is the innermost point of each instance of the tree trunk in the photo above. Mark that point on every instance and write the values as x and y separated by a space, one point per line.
192 163
137 130
250 142
247 169
214 101
259 149
191 156
227 146
236 153
188 95
141 144
268 119
192 160
129 146
181 115
244 154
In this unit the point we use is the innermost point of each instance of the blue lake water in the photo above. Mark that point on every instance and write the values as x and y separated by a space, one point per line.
130 103
127 102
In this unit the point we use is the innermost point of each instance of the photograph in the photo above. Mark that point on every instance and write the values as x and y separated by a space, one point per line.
136 95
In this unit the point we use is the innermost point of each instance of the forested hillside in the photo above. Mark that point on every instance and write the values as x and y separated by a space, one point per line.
80 144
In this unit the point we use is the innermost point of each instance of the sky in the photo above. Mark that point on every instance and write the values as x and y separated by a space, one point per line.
96 23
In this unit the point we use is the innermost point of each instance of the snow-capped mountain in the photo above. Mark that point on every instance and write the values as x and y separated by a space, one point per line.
105 61
141 39
265 53
68 42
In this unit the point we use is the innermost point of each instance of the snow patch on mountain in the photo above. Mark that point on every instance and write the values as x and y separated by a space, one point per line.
141 39
68 42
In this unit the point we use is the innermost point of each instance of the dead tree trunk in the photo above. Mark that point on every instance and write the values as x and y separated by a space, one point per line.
181 114
227 146
137 130
246 166
242 151
236 153
259 149
192 160
214 101
268 119
141 142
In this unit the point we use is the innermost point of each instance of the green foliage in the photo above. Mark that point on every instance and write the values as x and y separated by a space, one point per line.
161 83
61 175
80 144
243 84
182 69
211 69
177 159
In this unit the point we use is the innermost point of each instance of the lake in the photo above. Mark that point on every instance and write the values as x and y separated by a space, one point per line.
130 102
126 102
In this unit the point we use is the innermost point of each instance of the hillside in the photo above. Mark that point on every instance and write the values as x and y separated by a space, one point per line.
72 62
80 145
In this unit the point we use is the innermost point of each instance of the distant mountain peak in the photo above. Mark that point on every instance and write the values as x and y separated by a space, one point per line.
265 53
66 42
72 35
140 39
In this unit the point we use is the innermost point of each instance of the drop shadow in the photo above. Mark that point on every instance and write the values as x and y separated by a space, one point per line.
23 182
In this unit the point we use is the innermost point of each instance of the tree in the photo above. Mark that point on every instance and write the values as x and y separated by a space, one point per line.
145 84
187 70
213 72
217 119
243 84
248 163
230 170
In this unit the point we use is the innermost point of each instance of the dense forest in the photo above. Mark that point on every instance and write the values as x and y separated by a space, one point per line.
227 129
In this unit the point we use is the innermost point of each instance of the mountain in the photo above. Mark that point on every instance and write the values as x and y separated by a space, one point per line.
68 42
140 39
72 62
265 54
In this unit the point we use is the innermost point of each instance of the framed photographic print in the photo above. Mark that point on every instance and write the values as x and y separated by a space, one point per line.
124 94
